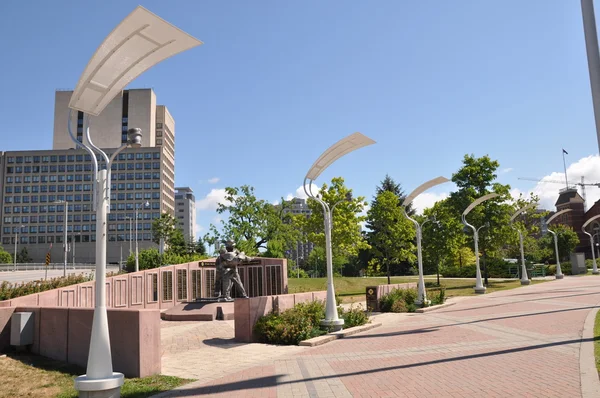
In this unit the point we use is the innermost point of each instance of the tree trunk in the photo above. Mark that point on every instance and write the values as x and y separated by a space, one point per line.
388 273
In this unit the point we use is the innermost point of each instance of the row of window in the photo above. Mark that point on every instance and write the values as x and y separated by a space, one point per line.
70 188
79 197
34 229
79 177
80 168
59 218
75 208
79 158
83 238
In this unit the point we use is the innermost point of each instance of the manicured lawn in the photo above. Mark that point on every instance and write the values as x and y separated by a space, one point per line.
353 289
26 375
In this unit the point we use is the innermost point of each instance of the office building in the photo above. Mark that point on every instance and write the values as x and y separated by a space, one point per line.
185 212
35 182
302 250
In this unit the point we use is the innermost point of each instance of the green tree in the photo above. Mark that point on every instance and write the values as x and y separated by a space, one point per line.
346 236
567 241
164 228
23 256
391 235
388 184
255 223
5 257
316 264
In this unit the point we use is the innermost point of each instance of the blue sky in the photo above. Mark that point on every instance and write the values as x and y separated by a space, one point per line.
277 82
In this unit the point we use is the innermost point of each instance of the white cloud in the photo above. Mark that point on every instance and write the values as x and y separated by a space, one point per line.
301 194
212 200
547 189
214 180
426 200
506 170
217 220
198 230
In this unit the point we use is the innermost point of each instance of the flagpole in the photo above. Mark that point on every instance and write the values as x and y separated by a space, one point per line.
565 166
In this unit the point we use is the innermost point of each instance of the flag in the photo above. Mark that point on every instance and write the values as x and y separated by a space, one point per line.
565 152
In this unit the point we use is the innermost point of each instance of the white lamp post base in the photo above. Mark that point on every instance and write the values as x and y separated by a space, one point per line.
336 325
420 303
560 276
480 290
525 282
100 388
596 272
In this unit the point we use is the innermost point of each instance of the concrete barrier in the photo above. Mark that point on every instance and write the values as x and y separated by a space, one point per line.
374 293
64 334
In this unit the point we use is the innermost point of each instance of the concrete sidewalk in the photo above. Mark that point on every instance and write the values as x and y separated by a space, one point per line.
528 342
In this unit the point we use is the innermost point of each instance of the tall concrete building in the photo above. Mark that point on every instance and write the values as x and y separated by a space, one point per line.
302 250
34 183
185 212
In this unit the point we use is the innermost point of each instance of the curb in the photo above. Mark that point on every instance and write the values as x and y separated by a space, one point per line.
320 340
433 308
590 383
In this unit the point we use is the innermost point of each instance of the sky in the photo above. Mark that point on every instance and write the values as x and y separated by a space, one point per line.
276 83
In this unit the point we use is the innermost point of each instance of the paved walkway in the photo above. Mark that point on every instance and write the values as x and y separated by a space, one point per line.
527 342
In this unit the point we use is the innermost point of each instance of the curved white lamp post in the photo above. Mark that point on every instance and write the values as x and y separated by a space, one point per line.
524 278
559 274
139 42
479 288
422 295
333 153
595 266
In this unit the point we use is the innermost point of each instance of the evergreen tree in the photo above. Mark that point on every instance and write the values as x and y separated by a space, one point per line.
388 184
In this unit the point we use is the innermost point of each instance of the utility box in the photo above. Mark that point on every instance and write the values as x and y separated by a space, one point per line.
21 328
578 264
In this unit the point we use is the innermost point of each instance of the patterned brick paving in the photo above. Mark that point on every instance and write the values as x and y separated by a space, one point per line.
518 343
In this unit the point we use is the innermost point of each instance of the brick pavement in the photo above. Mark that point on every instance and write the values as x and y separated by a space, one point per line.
524 342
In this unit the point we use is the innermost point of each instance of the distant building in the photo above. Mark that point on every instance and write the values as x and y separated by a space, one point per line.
185 212
33 183
302 250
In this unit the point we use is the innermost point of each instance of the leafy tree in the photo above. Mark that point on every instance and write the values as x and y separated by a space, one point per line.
23 256
316 263
346 235
567 241
165 228
388 184
5 257
391 232
255 223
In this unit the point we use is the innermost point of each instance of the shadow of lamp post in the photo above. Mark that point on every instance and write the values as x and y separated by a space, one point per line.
479 288
421 295
139 42
559 274
588 222
333 153
524 278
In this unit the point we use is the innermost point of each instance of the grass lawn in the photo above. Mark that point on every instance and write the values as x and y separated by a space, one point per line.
353 289
25 375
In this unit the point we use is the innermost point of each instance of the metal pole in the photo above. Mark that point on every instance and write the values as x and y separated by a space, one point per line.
422 296
130 236
65 239
479 288
73 249
559 274
99 364
16 240
593 57
137 260
524 278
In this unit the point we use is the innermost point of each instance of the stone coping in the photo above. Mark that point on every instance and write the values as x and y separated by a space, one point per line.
320 340
433 308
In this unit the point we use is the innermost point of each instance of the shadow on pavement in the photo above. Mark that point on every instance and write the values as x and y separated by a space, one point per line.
272 381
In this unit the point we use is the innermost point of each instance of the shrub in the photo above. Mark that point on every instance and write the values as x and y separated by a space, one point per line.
407 296
355 316
13 290
399 306
437 296
291 326
466 271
